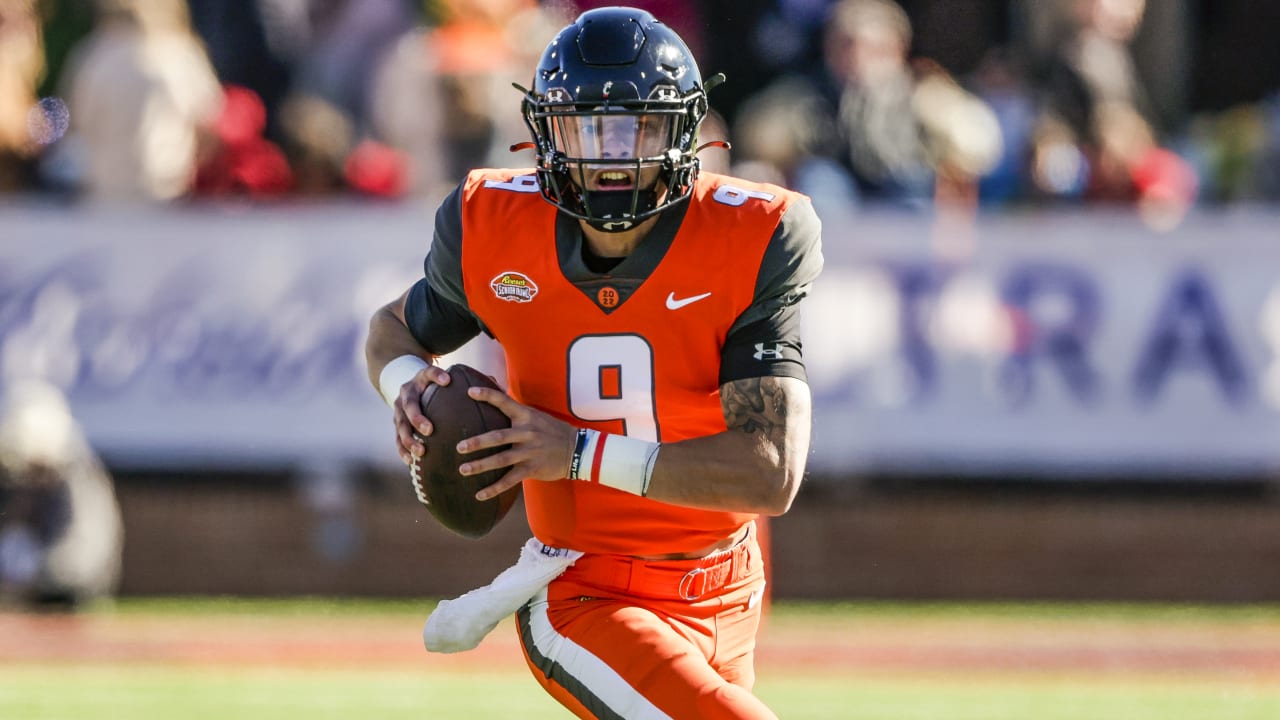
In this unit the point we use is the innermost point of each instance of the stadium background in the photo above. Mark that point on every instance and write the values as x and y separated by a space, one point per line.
1028 394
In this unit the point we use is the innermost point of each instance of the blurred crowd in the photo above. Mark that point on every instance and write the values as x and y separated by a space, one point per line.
160 100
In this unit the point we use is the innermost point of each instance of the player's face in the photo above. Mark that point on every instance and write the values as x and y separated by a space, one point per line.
614 138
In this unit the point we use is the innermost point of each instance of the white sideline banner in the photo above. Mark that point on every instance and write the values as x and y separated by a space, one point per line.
1044 344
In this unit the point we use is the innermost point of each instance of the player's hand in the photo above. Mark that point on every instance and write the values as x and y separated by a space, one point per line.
411 424
541 445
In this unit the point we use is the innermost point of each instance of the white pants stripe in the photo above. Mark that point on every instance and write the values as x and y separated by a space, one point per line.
596 685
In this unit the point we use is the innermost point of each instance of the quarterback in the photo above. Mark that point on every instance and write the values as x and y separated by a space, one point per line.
649 314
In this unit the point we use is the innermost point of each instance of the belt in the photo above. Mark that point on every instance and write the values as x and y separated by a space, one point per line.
668 579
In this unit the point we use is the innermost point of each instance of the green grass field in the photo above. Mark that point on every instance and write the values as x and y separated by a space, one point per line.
237 660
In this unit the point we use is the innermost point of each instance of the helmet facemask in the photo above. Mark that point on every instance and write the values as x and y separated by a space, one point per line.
615 163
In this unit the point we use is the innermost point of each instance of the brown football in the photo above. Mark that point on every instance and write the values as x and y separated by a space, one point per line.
448 495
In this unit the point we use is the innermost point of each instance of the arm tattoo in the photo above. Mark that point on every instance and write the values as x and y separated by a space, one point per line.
756 406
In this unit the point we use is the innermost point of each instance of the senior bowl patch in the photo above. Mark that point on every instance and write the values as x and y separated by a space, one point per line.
514 287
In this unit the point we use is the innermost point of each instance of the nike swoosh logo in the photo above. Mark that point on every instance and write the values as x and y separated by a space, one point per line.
674 304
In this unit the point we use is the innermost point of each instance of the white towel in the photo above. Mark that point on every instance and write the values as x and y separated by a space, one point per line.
460 624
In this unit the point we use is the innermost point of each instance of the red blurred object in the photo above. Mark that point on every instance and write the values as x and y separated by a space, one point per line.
261 168
243 117
1162 175
377 169
244 161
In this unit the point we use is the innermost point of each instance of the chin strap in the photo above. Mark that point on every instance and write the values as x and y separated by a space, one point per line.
617 209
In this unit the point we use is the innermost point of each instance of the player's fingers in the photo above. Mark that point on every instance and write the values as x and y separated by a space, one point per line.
506 458
500 400
404 441
411 396
405 435
410 441
505 483
493 438
434 374
411 403
404 431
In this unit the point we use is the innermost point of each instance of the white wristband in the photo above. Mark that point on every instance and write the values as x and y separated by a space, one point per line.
396 374
621 462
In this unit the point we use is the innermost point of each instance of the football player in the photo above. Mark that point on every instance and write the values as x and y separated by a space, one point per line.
649 314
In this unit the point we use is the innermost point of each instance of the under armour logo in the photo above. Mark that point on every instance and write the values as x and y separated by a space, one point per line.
771 353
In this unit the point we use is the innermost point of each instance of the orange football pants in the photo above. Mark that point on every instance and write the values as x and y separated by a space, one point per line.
628 639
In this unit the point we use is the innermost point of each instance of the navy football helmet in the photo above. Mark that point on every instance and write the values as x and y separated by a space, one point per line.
614 111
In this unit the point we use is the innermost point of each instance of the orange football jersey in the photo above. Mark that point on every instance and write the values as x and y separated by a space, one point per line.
646 365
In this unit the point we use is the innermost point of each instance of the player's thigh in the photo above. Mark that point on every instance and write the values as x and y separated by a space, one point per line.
620 661
736 627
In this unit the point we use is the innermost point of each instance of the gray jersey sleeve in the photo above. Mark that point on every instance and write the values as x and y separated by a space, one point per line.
437 311
765 339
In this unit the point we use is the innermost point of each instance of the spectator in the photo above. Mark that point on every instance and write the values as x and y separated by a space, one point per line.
1237 152
444 95
143 98
866 51
753 42
341 43
1092 63
869 124
406 109
317 136
1094 100
251 44
961 133
334 49
1001 83
61 534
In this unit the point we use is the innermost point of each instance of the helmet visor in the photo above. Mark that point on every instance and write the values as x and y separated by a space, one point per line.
588 137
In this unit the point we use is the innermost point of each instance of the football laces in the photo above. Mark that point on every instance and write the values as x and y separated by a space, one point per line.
415 474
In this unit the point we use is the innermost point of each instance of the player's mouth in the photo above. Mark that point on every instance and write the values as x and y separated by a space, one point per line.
613 180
